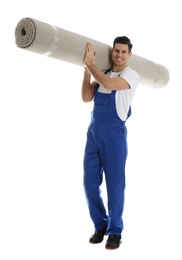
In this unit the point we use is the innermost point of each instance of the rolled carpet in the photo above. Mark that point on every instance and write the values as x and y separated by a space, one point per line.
42 38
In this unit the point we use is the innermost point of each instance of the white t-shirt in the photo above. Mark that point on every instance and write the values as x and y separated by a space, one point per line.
123 97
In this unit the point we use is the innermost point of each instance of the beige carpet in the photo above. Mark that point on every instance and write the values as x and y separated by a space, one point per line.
52 41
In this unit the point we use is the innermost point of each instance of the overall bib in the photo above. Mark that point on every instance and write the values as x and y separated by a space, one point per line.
105 151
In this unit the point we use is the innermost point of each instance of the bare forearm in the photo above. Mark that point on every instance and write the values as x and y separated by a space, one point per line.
99 76
117 83
87 88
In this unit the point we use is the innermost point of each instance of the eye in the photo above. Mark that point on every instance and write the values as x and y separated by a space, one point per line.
116 50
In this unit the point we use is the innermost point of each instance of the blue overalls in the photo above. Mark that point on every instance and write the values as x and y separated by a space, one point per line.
105 151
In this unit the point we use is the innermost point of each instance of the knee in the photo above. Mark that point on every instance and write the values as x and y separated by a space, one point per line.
91 191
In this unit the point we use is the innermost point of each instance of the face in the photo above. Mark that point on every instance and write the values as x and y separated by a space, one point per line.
120 56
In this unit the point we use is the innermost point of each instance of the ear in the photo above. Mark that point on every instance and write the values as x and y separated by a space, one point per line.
130 54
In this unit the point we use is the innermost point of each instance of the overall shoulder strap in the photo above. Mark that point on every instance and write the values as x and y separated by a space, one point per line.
105 72
97 85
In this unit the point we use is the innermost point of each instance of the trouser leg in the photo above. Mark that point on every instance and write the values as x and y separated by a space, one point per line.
114 154
93 176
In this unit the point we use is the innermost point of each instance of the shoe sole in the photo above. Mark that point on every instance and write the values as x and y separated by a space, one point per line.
95 242
111 248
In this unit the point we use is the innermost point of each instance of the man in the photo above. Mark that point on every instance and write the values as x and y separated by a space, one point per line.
106 145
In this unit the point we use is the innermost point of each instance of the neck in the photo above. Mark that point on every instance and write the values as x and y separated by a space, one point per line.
119 68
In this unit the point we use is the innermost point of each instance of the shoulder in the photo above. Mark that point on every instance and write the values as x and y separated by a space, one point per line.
129 71
131 76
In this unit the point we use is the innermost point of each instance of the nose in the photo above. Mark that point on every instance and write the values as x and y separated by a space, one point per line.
119 54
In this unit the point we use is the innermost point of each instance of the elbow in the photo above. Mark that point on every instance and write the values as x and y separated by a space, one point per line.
86 99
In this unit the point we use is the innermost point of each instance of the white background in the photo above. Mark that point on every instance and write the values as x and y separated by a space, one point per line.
43 123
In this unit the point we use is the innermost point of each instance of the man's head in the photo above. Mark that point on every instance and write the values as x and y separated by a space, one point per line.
121 52
123 40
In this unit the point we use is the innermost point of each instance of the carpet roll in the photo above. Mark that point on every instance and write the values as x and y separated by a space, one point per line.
43 38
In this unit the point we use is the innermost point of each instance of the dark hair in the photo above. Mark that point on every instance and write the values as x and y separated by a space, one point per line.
123 40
